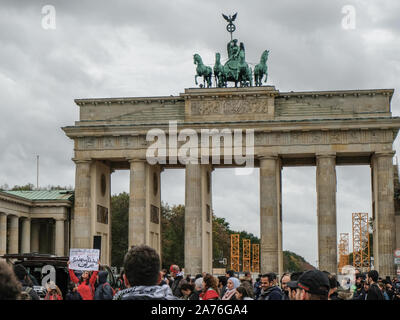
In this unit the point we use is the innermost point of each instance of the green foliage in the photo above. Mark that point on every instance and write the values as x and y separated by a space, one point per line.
119 228
173 237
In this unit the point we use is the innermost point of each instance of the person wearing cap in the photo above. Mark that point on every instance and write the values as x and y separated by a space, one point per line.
269 289
177 275
313 285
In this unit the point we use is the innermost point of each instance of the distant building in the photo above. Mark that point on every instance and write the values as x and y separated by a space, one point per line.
36 221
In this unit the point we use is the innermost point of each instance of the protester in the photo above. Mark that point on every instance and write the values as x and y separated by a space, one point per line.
73 293
142 276
210 289
242 293
269 289
222 282
10 287
188 292
382 286
164 278
104 291
374 292
285 289
27 286
313 285
198 286
53 292
85 283
177 275
333 285
257 287
232 284
247 277
249 288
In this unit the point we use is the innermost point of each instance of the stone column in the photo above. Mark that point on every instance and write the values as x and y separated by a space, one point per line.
26 235
383 213
82 214
3 233
13 236
35 231
59 237
326 212
270 215
193 219
137 203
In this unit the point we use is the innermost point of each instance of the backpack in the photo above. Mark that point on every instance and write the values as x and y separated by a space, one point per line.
102 290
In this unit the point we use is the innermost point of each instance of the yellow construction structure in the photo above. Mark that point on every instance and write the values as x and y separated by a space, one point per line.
235 252
246 255
361 251
256 258
343 250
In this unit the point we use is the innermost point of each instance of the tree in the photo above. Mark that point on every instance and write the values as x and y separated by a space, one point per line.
119 228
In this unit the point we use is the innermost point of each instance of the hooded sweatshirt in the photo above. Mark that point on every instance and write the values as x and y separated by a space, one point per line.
103 290
155 292
85 290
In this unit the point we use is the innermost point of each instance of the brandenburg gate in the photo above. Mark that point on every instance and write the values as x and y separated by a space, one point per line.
322 129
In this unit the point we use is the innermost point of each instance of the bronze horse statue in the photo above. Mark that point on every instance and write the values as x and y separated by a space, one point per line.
261 69
202 71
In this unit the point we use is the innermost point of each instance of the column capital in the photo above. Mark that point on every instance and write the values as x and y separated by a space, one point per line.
268 157
325 155
132 160
384 154
83 160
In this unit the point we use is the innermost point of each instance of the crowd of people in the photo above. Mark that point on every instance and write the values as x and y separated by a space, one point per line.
142 279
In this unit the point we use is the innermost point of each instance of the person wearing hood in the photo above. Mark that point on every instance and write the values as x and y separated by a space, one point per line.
231 286
103 290
26 283
142 276
177 275
269 289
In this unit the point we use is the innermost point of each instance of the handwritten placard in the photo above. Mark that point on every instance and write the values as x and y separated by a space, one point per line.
84 259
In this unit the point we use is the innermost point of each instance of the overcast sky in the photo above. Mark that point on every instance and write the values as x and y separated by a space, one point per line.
145 48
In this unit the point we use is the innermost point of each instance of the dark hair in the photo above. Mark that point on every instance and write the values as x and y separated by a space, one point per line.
332 281
284 275
187 286
271 276
142 266
295 276
248 287
242 290
223 280
231 273
198 276
20 271
210 282
10 287
374 275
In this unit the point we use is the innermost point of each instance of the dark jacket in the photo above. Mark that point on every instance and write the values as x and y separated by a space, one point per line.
28 289
73 295
374 293
272 293
103 290
176 286
146 293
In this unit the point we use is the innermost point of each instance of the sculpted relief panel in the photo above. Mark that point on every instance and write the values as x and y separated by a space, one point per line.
229 107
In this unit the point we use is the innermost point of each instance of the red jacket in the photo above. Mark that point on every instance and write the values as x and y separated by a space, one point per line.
85 290
210 294
52 297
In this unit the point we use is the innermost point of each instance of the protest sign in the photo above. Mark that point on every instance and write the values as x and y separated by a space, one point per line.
84 259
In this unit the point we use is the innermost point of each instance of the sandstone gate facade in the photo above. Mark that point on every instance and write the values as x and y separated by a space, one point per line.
321 129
